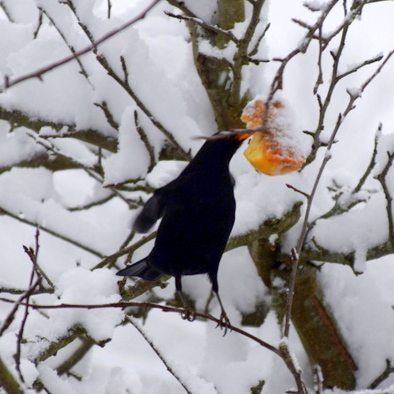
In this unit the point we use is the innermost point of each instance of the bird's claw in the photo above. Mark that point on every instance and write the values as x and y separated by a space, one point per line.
189 314
224 322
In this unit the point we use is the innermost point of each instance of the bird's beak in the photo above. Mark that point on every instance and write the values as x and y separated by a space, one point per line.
243 136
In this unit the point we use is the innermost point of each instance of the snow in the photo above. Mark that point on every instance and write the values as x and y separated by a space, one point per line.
101 289
315 5
164 172
365 309
16 146
206 10
132 156
72 240
51 380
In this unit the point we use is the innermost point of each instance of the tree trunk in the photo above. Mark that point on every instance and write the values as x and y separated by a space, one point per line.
311 317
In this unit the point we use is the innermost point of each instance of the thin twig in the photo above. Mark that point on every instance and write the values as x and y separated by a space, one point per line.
144 138
319 79
389 199
287 357
52 232
109 6
91 171
76 356
383 376
164 308
159 354
298 190
239 58
324 104
277 82
255 49
290 292
204 25
6 12
33 254
108 260
41 71
359 66
26 296
108 115
318 379
64 38
10 318
372 162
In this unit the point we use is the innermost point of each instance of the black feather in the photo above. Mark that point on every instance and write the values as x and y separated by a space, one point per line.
142 270
151 213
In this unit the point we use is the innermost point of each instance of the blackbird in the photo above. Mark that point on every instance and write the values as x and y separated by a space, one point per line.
198 212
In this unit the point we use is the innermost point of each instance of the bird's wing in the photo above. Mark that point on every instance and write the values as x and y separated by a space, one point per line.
155 206
150 214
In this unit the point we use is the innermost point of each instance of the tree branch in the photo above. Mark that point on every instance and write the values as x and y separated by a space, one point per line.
40 72
134 323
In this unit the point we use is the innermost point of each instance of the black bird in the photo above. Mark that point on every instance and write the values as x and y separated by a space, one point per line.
198 211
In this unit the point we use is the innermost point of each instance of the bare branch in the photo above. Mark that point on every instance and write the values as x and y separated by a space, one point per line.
108 115
17 304
257 44
17 118
241 55
383 376
377 72
164 308
109 5
359 66
6 12
8 382
76 356
40 72
134 323
110 260
318 379
33 255
92 204
277 82
290 292
372 162
389 200
64 38
145 140
206 26
287 357
52 232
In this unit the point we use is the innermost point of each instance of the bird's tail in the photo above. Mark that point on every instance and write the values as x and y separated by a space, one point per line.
141 269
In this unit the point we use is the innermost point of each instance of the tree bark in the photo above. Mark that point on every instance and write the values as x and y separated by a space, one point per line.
311 316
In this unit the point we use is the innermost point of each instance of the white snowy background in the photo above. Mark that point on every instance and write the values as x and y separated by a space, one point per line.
162 74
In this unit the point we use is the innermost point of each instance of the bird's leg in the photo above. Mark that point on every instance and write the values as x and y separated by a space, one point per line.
189 313
224 320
